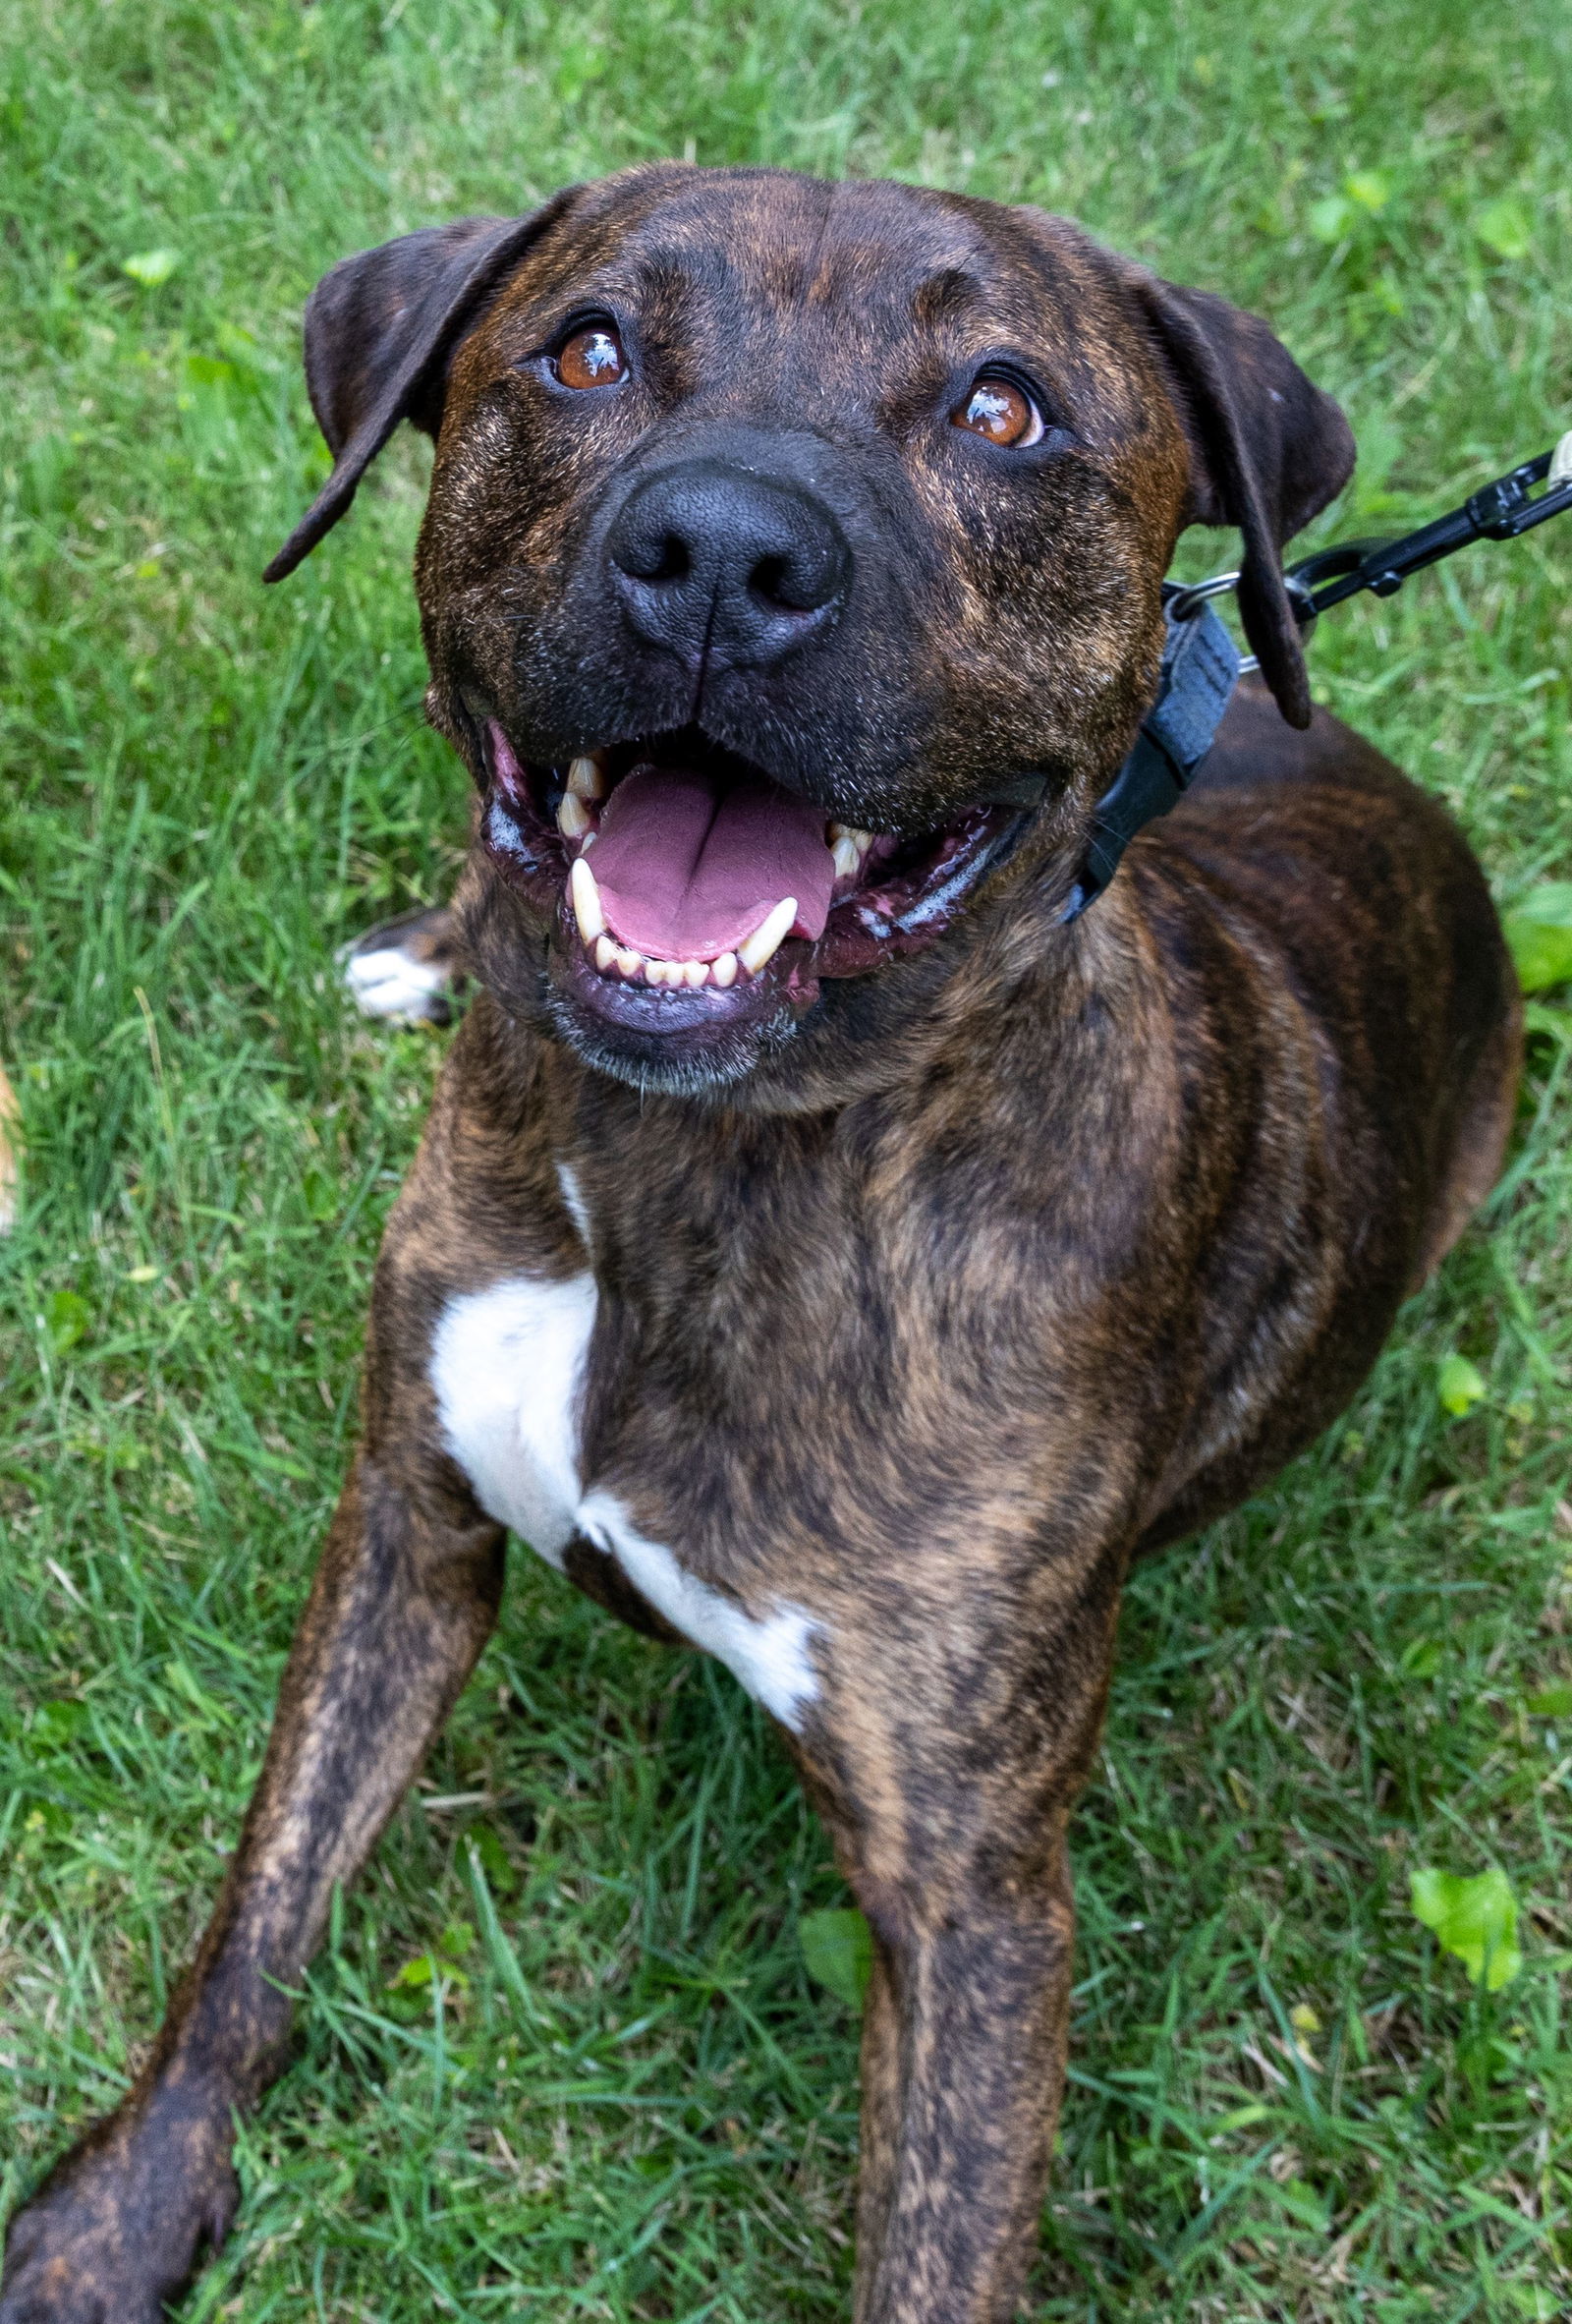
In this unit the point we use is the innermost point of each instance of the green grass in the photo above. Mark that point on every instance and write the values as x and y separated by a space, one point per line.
616 2095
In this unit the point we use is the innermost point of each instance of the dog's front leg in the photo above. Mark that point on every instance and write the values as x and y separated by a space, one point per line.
404 1598
947 1769
962 2066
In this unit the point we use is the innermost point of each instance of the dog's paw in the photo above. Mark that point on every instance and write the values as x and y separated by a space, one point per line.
116 2229
406 968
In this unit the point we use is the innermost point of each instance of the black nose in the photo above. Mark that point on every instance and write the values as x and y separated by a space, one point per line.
724 568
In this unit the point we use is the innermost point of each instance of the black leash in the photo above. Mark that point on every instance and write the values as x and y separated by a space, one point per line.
1201 663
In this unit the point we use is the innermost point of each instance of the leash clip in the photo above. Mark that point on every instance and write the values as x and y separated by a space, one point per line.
1201 662
1498 511
1505 509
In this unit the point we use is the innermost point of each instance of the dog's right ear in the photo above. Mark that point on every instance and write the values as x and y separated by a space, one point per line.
1269 451
379 332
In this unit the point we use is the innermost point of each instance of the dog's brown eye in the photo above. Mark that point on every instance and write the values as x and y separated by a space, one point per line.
592 358
999 410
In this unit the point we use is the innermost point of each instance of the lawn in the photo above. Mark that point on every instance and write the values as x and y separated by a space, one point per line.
563 2057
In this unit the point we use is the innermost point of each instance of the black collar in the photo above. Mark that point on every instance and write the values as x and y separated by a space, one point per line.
1200 670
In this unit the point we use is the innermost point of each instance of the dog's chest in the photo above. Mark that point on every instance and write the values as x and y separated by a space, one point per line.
508 1371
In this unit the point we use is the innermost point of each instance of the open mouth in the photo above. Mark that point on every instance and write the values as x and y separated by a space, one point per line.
691 889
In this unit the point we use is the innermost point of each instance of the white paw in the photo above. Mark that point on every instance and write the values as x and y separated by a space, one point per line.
387 983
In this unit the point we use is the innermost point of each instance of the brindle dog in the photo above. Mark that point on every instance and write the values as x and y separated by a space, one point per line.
820 1247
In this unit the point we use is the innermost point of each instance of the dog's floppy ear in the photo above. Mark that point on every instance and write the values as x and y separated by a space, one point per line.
379 332
1267 452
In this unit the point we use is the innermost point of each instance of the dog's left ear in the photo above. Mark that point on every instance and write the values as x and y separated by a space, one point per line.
1267 452
379 332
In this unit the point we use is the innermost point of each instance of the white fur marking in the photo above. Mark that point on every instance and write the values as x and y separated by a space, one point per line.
770 1656
579 1208
507 1365
507 1369
389 984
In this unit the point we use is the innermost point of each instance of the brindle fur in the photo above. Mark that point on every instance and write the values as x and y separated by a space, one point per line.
1004 1264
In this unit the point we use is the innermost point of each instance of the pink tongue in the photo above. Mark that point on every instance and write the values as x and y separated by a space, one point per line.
687 869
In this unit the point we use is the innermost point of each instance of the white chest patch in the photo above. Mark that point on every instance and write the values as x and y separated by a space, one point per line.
507 1368
768 1654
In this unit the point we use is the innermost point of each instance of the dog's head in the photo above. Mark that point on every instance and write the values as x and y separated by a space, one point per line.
790 578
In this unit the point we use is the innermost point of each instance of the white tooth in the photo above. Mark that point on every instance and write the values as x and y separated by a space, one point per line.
586 781
767 939
695 973
663 972
586 901
572 817
723 972
629 962
862 840
606 952
848 857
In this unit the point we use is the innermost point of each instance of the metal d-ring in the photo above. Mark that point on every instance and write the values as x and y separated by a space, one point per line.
1186 603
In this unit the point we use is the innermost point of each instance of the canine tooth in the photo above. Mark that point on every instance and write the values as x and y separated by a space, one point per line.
606 952
723 972
768 937
629 962
586 901
863 841
695 973
586 779
848 857
572 817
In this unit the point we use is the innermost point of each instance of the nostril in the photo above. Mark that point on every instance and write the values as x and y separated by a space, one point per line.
662 556
676 559
770 580
801 578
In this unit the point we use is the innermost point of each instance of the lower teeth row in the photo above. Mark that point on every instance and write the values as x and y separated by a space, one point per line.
609 955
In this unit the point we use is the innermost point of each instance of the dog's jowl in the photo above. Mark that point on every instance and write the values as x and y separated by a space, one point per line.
826 1246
